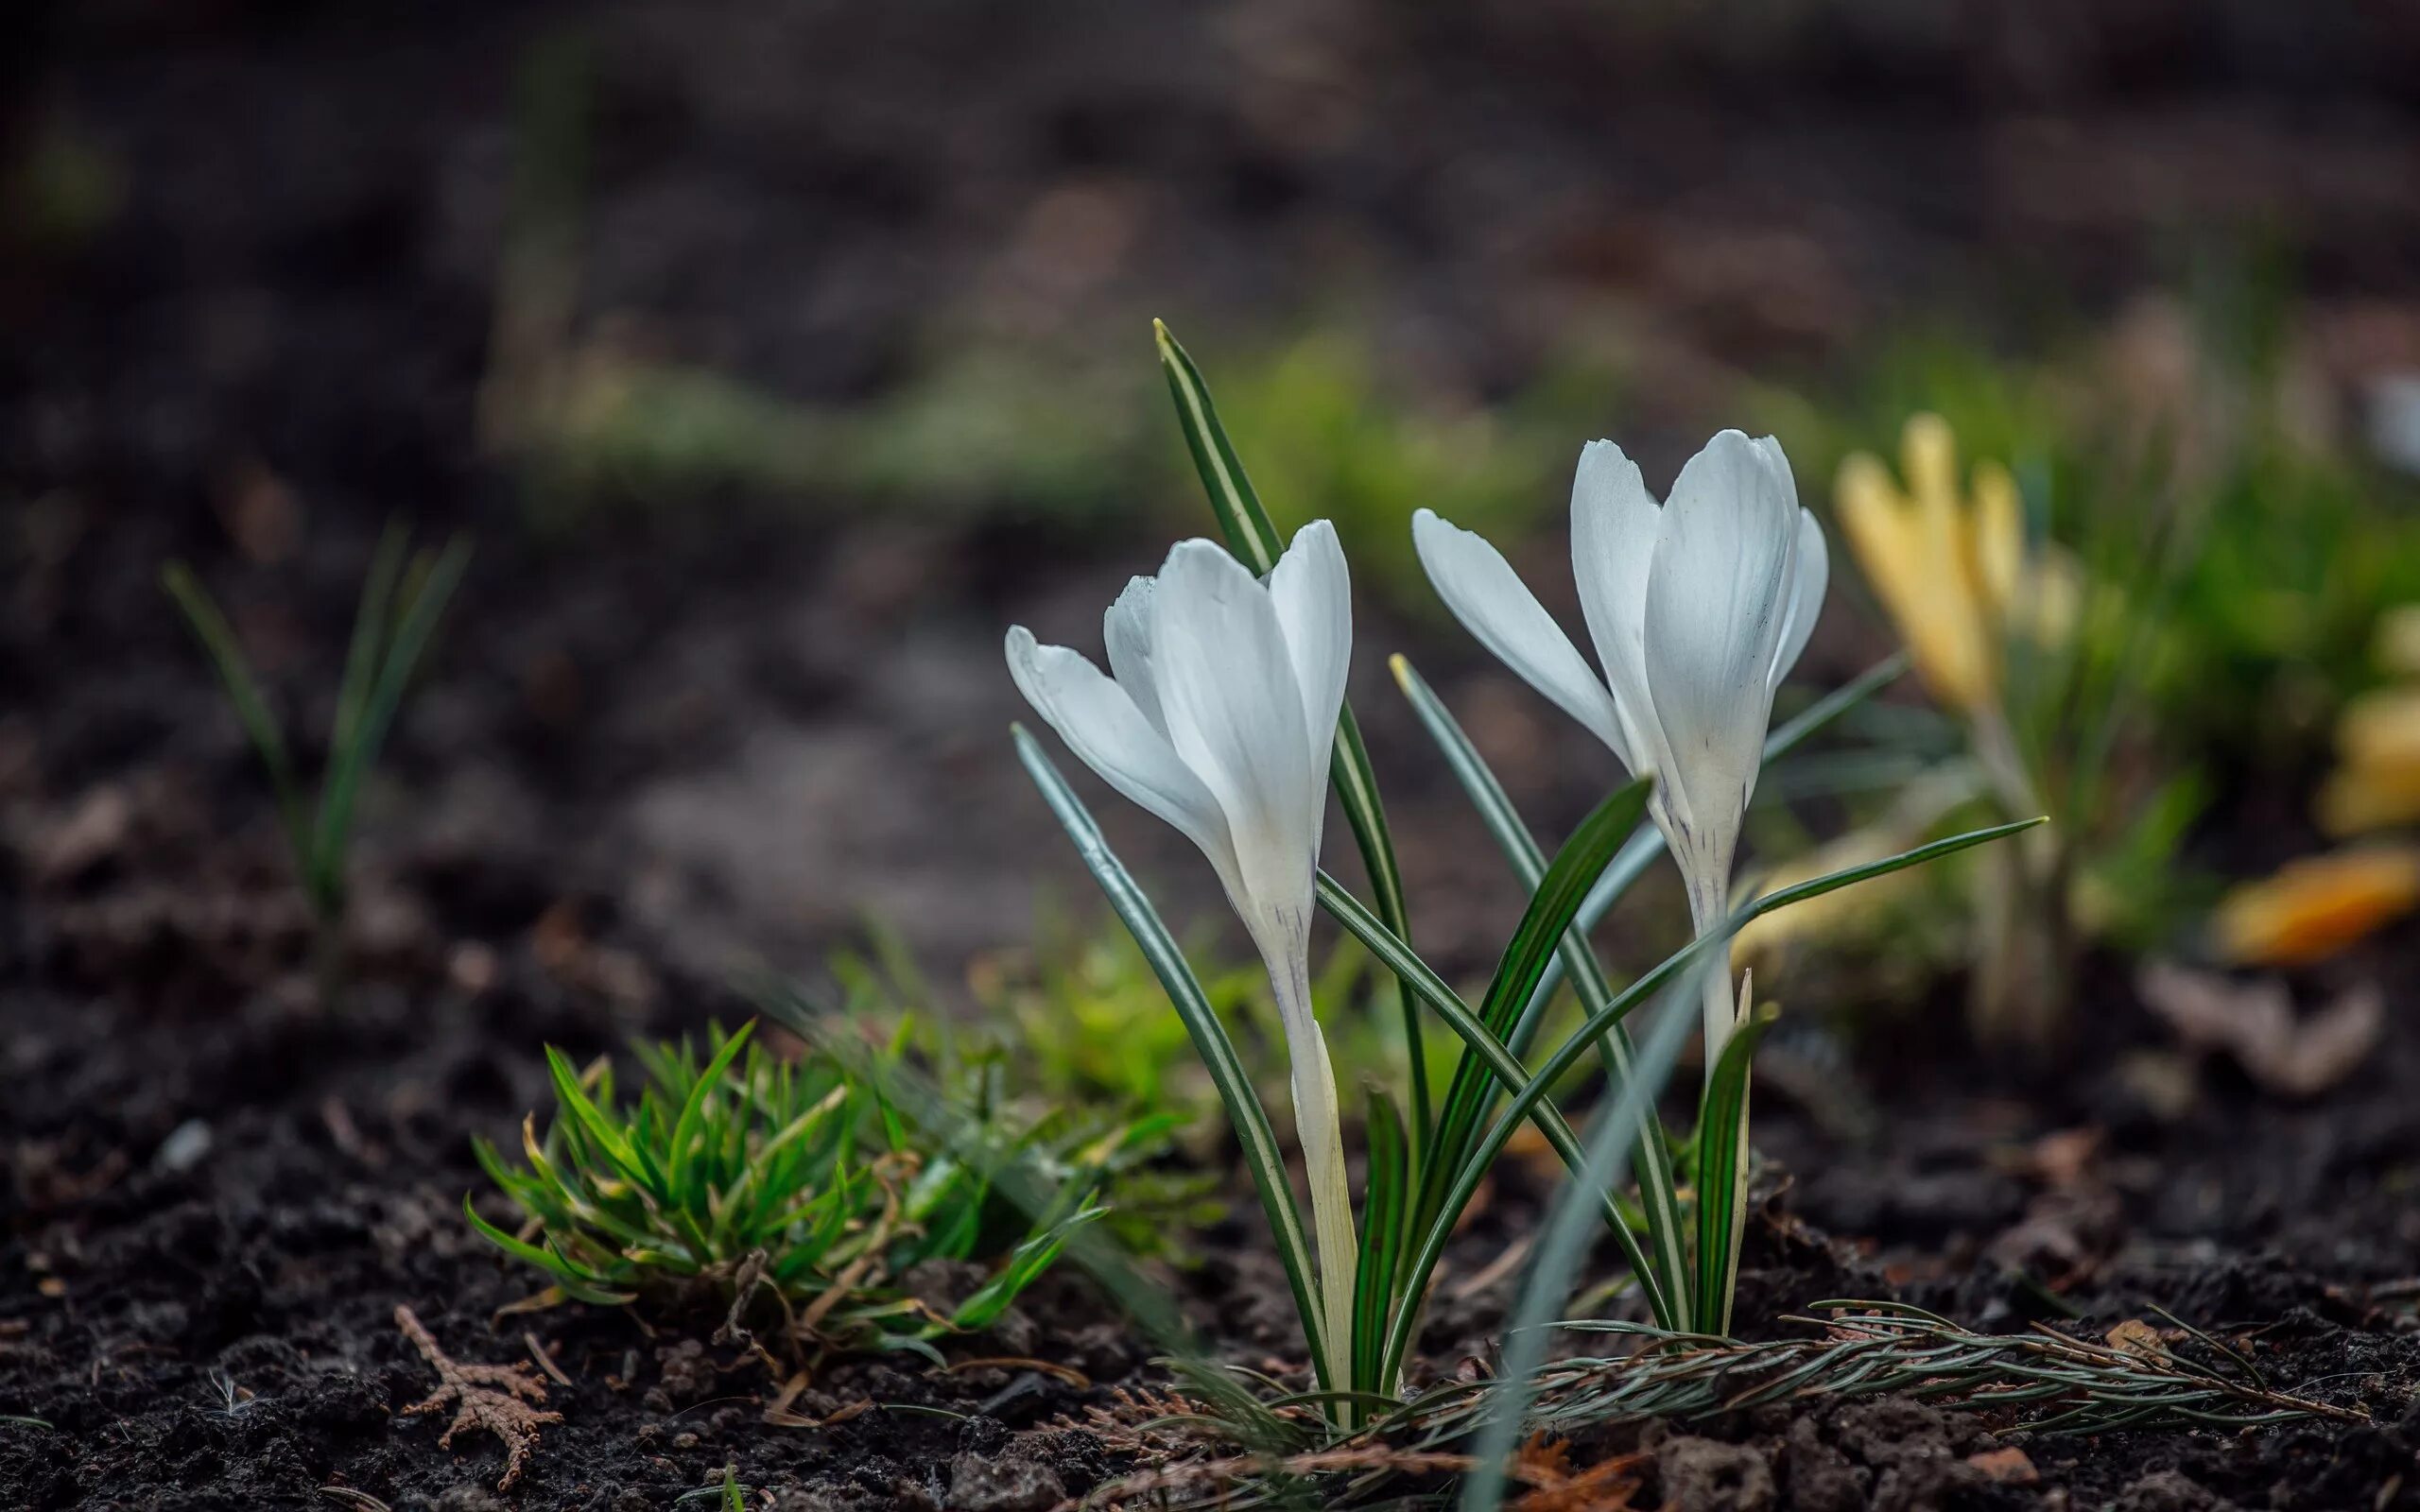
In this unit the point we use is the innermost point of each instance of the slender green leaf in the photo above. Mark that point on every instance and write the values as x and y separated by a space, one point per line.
1256 541
348 763
632 1162
576 1282
1027 1261
693 1110
1250 1120
1722 1173
1387 1191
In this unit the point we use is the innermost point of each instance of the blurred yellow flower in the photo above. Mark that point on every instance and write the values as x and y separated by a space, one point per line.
2313 907
2377 784
1951 570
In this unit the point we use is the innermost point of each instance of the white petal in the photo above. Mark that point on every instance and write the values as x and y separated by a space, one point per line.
1314 597
1808 580
1235 717
1126 630
1492 603
1613 523
1768 452
1108 733
1714 606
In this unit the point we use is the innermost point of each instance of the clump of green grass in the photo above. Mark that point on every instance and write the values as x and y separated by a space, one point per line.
742 1171
402 601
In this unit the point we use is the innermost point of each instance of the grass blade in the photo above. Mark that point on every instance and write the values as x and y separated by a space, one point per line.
1255 540
349 762
1651 1163
576 1282
1245 1114
686 1129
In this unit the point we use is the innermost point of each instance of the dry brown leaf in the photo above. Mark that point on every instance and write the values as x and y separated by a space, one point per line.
493 1397
1545 1466
2254 1021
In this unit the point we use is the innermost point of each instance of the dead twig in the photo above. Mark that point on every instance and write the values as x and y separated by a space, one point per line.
493 1397
545 1361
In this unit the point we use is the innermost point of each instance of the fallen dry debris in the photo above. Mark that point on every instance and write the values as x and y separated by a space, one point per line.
2009 1465
1543 1464
493 1397
2254 1023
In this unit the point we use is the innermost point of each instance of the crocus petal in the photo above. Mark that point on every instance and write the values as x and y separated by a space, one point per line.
1724 554
1126 627
1498 607
1314 597
1915 559
1235 717
1613 521
1999 537
1808 580
1101 725
1928 459
1880 526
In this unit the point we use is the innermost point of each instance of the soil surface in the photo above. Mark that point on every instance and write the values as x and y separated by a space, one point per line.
717 737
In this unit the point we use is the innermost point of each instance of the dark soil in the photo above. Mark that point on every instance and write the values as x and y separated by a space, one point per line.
707 739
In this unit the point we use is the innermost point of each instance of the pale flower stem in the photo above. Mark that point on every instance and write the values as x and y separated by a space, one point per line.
1319 1127
1720 1014
1709 894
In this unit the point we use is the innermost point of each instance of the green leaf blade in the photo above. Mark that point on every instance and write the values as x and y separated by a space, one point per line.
1722 1175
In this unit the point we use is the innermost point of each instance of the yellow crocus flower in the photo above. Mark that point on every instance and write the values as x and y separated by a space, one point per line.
2313 907
1949 568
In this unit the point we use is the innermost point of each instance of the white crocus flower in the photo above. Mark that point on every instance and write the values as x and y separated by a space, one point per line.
1220 719
1697 607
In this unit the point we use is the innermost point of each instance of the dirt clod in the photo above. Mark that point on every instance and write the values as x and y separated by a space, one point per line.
1707 1475
1003 1482
2170 1491
1820 1478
